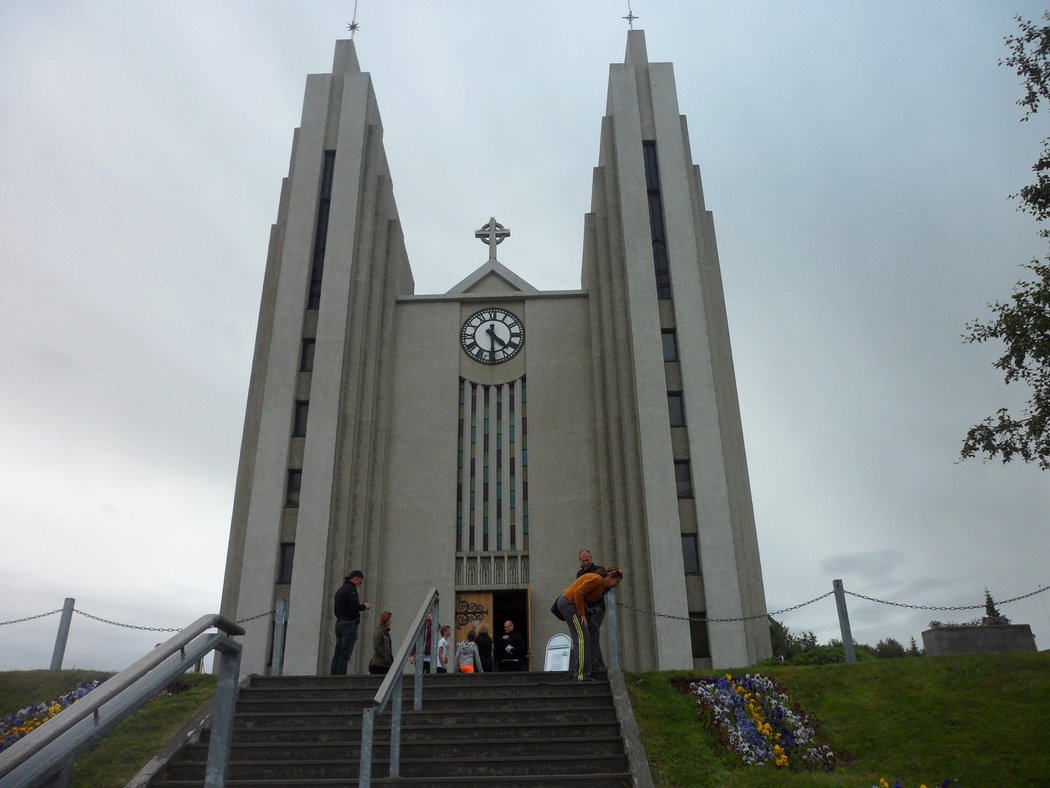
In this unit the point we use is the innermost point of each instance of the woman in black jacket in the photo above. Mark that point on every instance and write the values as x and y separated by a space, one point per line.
484 644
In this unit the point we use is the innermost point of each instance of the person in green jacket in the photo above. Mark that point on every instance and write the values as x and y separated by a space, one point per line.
382 647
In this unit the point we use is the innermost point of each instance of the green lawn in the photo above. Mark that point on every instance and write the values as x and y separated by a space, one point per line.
978 720
116 759
981 720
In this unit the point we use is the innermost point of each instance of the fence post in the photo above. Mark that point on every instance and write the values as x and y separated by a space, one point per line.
63 634
279 620
847 635
221 735
364 774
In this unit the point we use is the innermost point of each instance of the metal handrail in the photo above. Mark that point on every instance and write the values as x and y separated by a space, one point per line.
391 688
120 691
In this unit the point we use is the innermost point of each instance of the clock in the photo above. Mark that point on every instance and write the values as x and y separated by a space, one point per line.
492 335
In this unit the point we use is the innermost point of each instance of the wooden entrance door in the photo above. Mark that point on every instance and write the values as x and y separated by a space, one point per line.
473 608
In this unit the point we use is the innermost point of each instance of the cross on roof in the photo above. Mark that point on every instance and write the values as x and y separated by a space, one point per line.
630 15
353 27
492 234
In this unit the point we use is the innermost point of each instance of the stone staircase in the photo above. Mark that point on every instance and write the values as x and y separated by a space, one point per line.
493 730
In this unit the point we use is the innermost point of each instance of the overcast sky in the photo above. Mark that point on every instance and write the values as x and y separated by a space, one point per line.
858 158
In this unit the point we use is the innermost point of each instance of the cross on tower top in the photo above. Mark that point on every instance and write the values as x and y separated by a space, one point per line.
630 15
492 234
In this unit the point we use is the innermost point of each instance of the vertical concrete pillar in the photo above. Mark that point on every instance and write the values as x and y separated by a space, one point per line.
63 634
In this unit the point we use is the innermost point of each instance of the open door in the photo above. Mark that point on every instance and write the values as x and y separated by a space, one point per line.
513 606
472 609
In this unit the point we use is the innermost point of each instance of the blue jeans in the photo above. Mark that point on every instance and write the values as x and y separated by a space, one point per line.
345 638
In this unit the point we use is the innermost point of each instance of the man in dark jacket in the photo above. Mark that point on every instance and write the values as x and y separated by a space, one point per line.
347 617
510 649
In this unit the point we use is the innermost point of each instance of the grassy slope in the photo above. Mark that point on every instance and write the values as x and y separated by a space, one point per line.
20 688
982 720
114 760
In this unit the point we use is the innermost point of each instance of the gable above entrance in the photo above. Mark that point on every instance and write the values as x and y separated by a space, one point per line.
492 277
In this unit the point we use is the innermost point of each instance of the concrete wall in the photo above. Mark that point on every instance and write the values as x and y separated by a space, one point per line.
949 641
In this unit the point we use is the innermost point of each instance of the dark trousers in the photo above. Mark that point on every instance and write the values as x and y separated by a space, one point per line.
511 665
345 638
582 659
378 670
595 616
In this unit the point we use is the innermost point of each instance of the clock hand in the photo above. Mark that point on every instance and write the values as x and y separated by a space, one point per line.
494 337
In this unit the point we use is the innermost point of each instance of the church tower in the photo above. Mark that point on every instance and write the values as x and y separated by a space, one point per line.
476 440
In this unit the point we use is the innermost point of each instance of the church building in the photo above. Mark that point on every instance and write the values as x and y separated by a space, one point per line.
476 440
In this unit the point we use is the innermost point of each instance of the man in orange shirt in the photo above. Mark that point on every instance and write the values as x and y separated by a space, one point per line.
573 604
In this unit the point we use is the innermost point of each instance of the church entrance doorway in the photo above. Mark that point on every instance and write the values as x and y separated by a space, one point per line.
513 606
493 608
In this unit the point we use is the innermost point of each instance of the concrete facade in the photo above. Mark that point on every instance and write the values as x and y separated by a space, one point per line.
423 467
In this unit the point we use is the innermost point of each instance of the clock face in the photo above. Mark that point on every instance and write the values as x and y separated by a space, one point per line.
492 335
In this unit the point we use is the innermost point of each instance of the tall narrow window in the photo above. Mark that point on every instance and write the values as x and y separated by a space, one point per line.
670 341
295 485
302 411
698 636
284 572
321 231
683 478
691 554
306 358
676 409
656 220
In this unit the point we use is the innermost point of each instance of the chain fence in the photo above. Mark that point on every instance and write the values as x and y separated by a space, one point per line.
781 611
1039 590
726 620
980 606
30 618
120 624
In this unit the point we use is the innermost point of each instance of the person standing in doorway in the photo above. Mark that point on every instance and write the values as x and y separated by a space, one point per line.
348 609
573 604
596 612
382 647
510 649
485 645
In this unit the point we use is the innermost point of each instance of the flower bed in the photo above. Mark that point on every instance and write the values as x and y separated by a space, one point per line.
756 720
14 726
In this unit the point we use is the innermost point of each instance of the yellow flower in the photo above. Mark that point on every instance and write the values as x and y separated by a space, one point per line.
883 783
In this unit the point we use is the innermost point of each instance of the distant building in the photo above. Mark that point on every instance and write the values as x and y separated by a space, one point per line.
475 440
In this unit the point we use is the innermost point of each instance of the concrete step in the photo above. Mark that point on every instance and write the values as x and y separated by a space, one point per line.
453 716
413 731
348 769
487 747
523 702
436 678
594 780
472 690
